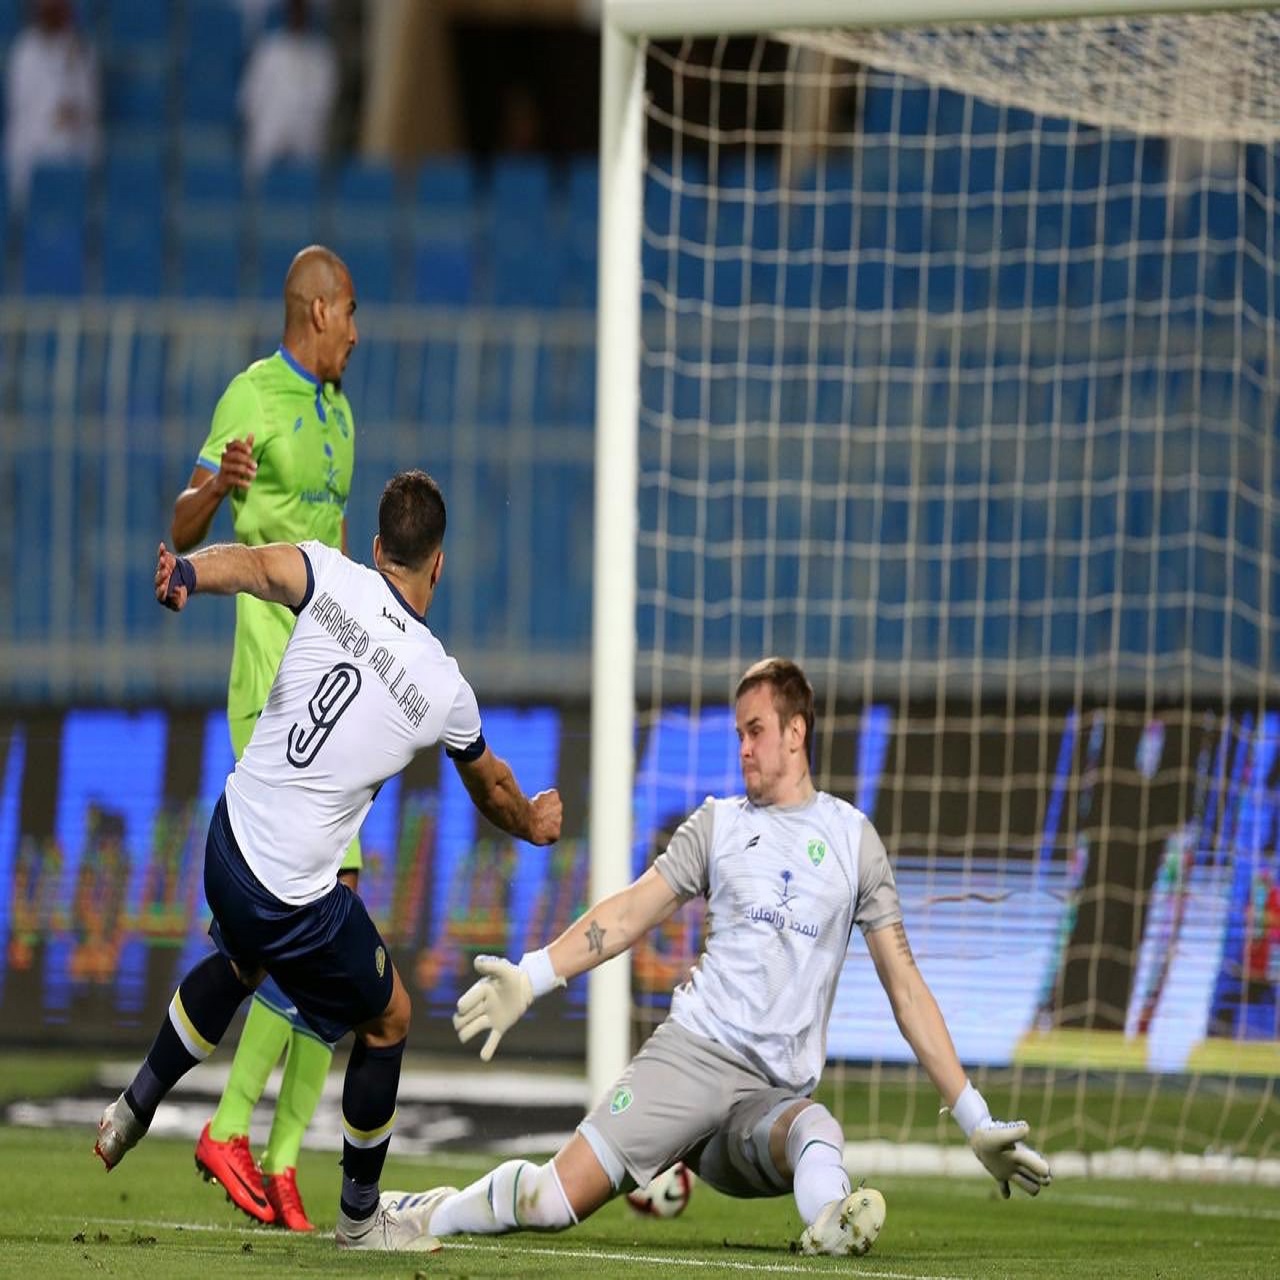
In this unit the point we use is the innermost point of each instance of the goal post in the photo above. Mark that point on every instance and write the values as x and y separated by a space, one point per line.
939 348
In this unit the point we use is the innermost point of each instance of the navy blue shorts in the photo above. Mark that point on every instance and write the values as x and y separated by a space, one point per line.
327 956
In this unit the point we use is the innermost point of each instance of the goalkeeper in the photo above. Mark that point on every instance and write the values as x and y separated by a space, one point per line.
724 1083
281 447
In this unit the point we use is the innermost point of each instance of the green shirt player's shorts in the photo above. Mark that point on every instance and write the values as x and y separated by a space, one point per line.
304 444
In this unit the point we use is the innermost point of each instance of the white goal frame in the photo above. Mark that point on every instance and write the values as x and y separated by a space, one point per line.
626 25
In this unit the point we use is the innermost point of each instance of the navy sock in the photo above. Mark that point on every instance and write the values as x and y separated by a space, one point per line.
199 1015
368 1113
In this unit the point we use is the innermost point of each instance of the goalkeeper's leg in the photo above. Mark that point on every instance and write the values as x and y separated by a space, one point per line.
807 1141
522 1196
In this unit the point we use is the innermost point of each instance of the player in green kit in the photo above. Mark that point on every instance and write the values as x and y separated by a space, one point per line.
282 447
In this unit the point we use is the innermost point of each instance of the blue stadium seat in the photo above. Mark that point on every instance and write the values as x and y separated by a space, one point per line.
137 92
286 217
54 235
275 252
372 263
526 253
582 233
292 185
366 184
520 188
371 379
133 261
210 179
446 185
526 272
443 272
209 261
131 25
436 383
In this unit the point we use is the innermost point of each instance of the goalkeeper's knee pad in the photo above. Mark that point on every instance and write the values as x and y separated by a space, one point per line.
530 1196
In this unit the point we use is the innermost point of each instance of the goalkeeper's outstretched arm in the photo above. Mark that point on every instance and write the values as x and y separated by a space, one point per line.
998 1144
505 990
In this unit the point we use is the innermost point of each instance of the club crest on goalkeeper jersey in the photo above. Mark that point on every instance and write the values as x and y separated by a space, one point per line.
784 888
362 687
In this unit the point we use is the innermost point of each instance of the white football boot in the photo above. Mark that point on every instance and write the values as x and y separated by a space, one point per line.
399 1223
119 1131
847 1226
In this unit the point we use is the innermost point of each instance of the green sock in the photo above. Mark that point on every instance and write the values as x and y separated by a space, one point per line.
305 1070
263 1040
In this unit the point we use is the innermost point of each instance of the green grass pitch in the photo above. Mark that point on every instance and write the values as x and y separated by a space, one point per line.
153 1217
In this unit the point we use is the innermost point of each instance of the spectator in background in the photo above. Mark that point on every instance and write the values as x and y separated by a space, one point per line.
287 93
53 103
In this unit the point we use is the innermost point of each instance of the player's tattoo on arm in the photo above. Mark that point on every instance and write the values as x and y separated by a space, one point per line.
904 947
595 939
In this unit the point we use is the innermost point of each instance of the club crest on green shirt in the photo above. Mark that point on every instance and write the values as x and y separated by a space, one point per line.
817 851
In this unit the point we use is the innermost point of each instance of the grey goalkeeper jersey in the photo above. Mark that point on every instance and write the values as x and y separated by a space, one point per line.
784 888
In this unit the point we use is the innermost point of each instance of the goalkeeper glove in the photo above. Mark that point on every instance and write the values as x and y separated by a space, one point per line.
502 996
999 1145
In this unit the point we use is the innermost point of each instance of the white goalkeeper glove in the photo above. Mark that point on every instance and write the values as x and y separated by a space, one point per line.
999 1145
502 996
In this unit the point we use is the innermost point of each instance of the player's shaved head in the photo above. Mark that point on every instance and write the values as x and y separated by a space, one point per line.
316 272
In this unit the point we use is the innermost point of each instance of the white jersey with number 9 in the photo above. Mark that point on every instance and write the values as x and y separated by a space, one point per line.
362 687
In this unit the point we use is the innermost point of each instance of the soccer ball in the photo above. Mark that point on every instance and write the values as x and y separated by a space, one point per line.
666 1195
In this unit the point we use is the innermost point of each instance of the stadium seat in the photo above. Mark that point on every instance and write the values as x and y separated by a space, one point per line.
209 261
210 179
286 216
525 250
443 272
372 263
579 281
133 25
137 92
133 261
53 261
446 185
292 186
366 184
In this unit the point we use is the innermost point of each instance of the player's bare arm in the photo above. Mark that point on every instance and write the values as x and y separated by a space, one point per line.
916 1011
613 925
998 1144
198 503
505 991
276 573
496 793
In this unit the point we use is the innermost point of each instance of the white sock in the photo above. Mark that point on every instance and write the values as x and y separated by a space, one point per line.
515 1195
815 1150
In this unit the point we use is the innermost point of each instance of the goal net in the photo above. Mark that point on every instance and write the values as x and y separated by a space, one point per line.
958 368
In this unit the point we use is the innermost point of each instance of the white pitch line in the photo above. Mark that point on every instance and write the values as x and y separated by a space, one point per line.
1160 1206
671 1261
509 1245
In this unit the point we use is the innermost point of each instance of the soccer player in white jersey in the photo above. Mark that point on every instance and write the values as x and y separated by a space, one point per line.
724 1083
362 687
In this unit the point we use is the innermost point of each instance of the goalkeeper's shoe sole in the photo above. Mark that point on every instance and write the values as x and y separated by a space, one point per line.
398 1225
232 1166
119 1131
848 1226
